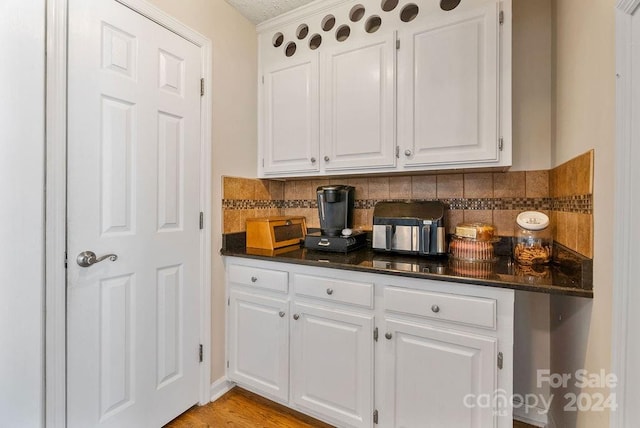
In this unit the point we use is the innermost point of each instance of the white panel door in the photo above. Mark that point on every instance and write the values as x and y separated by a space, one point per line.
259 343
358 117
290 116
332 364
133 191
428 372
448 84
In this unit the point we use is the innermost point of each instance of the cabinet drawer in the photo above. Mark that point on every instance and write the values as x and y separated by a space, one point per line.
335 290
474 311
260 278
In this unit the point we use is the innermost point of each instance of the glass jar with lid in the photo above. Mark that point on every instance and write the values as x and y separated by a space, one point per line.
473 242
533 241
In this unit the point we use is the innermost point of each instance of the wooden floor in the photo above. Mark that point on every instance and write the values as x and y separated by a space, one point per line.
243 409
518 424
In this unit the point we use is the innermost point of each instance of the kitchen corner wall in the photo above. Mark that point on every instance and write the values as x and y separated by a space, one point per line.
584 83
492 197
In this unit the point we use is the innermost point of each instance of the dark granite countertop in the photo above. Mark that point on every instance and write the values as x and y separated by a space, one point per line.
569 273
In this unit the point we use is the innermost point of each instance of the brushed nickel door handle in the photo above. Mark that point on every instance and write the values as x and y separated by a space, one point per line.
89 258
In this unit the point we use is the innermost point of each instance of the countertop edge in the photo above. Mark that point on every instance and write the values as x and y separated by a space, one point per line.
552 290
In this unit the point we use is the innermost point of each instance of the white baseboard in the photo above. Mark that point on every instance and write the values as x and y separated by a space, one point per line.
220 387
535 416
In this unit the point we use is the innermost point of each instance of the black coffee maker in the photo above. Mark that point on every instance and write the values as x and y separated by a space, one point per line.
335 209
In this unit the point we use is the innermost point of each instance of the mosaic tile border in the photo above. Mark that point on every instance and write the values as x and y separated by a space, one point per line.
251 204
582 204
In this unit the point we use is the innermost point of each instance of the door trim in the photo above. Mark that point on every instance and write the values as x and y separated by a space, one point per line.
56 201
626 203
55 214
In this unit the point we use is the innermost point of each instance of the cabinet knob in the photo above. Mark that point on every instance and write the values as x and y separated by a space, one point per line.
329 291
327 159
254 279
407 153
296 316
313 160
281 313
435 308
388 335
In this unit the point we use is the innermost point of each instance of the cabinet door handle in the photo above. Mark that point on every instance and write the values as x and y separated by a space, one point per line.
388 335
327 159
281 313
329 291
313 160
296 316
254 279
435 308
407 153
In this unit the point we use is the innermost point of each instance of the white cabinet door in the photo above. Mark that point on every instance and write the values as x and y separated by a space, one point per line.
259 343
358 117
332 364
290 117
448 89
429 373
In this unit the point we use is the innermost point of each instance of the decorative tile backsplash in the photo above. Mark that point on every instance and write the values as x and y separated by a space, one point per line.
571 188
493 197
520 204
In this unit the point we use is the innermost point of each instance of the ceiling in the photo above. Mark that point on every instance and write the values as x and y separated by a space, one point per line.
258 11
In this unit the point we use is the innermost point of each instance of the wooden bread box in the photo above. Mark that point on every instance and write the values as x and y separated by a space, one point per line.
271 233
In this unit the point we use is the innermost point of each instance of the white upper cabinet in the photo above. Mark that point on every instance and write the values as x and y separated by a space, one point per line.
359 104
352 87
290 116
448 88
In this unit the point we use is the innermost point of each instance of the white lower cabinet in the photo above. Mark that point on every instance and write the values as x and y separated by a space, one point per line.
332 363
433 376
259 343
446 358
359 349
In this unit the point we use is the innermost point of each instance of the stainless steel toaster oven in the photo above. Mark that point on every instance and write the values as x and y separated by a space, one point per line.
410 227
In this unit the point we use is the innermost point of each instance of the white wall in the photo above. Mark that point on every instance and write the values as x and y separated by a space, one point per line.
22 213
584 107
234 143
531 85
532 139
